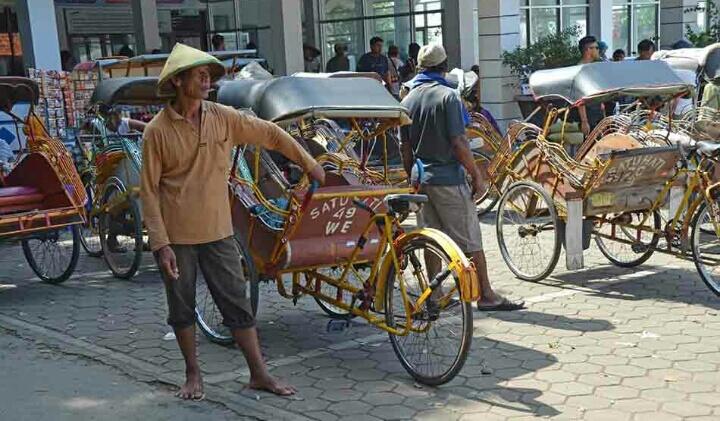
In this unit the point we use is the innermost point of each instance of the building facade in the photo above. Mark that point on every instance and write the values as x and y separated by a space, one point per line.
34 32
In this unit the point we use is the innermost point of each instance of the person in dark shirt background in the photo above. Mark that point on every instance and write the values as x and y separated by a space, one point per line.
125 50
218 42
646 48
375 61
340 62
618 55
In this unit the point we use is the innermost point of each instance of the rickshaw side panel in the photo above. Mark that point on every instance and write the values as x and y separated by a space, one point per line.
631 180
329 229
260 239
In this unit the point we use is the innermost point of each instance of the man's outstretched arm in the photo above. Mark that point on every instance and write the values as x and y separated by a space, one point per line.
246 129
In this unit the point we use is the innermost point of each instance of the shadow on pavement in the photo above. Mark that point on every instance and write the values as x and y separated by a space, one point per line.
552 321
668 284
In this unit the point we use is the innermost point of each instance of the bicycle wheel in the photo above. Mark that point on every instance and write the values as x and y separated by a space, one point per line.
620 253
705 245
121 235
436 352
90 230
53 255
486 199
207 314
527 231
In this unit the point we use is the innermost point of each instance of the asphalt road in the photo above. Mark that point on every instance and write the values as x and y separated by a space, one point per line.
40 383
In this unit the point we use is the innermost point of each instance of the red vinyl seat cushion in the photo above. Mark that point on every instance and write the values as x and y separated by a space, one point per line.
19 199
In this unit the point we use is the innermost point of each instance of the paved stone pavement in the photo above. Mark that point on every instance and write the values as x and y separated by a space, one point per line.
603 343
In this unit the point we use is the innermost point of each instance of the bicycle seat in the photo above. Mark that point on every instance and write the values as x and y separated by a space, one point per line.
711 149
401 202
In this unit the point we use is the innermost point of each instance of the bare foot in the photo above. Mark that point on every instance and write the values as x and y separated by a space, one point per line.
193 388
272 385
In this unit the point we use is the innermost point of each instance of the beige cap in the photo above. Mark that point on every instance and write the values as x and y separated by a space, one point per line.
431 55
184 57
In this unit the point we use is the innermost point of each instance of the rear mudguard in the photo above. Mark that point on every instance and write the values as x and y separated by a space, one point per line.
463 266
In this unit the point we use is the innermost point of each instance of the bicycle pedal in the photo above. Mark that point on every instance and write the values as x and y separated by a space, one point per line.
337 325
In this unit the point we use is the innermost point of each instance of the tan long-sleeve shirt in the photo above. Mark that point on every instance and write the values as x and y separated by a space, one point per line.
184 188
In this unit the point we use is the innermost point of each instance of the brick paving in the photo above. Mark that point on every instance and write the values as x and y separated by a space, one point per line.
603 343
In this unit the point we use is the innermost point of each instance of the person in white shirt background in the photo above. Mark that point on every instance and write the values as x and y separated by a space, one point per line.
394 67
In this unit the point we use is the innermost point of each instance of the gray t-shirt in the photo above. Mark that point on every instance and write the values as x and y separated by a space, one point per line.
436 112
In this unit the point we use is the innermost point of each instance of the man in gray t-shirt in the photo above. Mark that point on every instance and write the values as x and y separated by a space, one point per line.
437 137
437 117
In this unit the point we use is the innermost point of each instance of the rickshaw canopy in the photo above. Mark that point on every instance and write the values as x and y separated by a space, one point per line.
152 64
142 65
700 60
17 89
604 81
290 98
86 66
127 91
371 75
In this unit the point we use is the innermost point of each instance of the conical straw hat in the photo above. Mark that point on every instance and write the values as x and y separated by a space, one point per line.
182 58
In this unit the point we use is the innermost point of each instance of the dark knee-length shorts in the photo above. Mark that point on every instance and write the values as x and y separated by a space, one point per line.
220 265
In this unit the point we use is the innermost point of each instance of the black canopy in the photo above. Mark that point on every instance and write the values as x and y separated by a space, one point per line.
604 81
127 91
17 89
288 98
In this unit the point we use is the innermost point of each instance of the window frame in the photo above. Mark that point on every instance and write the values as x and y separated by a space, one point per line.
558 7
630 7
367 22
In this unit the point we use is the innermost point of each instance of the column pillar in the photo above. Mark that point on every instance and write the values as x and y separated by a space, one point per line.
498 30
673 20
600 24
459 33
145 21
286 27
39 35
310 27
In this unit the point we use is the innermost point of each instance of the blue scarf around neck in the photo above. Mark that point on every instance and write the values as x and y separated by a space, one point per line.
430 77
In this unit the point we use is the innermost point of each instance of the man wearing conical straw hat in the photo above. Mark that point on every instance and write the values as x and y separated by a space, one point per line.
186 209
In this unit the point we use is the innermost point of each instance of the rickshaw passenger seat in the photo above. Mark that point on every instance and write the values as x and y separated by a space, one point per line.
401 202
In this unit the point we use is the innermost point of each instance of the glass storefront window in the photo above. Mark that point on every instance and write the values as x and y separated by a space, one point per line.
397 22
539 18
621 28
342 9
634 21
349 33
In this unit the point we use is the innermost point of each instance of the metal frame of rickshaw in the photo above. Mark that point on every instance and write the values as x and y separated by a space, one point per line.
389 238
705 64
593 179
511 150
111 92
42 148
381 121
275 251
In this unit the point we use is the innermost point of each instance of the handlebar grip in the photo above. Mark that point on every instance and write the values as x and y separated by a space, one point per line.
308 196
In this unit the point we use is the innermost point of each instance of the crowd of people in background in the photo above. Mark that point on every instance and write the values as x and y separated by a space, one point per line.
387 64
